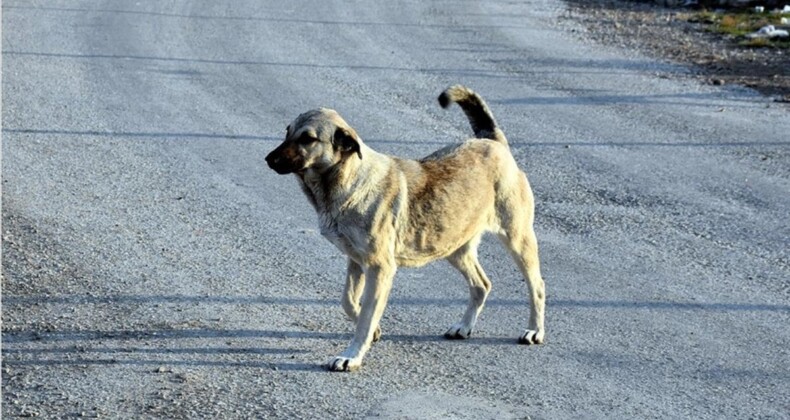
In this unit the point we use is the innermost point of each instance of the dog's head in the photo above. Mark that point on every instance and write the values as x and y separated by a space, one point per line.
317 140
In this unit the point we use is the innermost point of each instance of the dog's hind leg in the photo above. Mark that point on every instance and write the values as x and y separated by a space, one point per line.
355 283
520 238
465 260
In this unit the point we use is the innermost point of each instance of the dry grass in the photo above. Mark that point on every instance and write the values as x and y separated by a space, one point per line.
755 43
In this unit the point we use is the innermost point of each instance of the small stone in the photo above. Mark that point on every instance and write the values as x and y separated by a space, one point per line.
29 413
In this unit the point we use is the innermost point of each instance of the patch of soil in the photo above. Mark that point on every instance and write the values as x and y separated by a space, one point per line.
668 33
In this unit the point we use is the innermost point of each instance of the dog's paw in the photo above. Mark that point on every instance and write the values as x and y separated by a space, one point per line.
377 334
531 337
345 364
458 332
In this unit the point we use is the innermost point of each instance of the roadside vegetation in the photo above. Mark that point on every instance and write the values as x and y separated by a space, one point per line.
736 25
712 40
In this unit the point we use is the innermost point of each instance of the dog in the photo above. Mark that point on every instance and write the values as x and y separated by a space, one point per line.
384 212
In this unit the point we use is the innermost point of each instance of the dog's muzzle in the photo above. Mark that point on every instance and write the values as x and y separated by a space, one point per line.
281 164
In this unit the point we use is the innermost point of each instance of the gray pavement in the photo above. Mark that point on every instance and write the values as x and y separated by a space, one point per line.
153 266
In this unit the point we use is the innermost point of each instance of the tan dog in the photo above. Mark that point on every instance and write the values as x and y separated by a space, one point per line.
384 212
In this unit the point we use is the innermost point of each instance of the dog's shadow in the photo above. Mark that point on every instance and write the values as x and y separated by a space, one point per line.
139 348
133 348
428 338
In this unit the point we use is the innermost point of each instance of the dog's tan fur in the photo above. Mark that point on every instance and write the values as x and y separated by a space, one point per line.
384 212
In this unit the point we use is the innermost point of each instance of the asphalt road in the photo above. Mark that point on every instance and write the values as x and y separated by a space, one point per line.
153 266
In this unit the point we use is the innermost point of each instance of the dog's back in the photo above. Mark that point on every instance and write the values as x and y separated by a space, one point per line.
453 192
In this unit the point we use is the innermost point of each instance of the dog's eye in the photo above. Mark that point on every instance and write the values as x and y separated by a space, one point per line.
305 139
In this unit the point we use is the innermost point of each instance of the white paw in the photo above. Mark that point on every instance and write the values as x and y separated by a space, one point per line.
458 332
531 337
345 364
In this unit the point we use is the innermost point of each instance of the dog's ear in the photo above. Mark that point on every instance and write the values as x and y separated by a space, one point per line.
347 141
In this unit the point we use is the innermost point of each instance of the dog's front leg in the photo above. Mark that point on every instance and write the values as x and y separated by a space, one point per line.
355 282
374 299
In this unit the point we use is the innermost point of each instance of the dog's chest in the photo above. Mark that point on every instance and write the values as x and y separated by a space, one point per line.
341 215
342 234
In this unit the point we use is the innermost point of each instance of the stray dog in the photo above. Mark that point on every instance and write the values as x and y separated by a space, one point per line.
384 212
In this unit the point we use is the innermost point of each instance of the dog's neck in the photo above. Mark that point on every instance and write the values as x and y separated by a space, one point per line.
338 188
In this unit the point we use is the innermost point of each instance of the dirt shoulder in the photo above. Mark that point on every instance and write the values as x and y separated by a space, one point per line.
687 37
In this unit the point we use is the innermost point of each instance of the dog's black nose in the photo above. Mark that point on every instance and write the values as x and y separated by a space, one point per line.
272 160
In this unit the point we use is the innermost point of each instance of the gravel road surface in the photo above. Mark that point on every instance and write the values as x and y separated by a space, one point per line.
153 266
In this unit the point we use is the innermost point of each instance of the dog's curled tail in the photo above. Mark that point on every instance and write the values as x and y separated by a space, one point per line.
483 123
